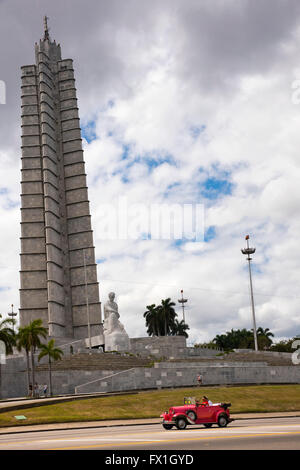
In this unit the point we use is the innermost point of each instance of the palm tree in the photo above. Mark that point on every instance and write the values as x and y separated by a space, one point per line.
180 328
221 341
168 315
52 353
7 336
31 337
152 320
264 337
24 343
160 320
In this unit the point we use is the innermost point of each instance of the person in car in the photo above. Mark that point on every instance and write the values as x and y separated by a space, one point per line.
206 401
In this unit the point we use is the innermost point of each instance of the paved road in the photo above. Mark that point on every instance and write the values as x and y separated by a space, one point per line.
276 433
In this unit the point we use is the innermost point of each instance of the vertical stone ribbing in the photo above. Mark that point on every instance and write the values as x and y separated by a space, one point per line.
59 322
56 225
80 235
33 274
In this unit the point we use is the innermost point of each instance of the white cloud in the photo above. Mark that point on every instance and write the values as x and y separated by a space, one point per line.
147 80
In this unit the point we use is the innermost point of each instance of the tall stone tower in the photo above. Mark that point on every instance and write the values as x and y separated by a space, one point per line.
58 269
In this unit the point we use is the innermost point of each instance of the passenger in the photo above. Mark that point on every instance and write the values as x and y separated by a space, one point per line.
206 401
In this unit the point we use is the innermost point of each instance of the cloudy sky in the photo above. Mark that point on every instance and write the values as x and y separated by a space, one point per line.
181 102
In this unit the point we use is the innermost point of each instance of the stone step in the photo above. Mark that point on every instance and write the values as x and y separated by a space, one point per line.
104 361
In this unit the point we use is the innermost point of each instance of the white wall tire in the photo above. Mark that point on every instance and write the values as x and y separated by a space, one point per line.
181 423
222 421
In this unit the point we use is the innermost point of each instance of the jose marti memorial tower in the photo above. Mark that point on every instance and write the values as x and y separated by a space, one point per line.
58 269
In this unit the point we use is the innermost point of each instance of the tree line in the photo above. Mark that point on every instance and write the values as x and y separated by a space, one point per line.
28 338
244 339
161 320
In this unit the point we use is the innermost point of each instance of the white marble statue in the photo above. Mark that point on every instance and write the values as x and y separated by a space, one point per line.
115 336
111 306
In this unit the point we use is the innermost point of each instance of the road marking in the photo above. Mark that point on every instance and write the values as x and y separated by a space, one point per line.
179 440
209 434
93 439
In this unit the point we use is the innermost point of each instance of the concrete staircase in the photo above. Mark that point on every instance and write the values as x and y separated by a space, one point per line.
97 361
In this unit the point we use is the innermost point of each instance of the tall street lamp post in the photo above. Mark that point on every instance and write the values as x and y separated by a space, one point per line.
249 251
12 314
182 301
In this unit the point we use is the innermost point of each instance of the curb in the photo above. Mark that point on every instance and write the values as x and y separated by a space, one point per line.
236 418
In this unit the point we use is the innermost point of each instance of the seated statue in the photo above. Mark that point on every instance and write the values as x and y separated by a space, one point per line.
115 336
111 306
112 324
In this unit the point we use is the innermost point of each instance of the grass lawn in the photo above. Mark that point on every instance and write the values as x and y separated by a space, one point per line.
261 398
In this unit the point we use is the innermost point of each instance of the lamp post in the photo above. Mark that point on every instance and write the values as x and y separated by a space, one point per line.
249 251
87 301
182 301
12 314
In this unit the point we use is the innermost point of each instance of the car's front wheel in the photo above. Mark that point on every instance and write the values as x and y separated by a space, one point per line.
222 421
181 423
168 426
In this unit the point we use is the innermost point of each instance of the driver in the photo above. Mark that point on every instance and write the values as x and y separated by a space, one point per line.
206 401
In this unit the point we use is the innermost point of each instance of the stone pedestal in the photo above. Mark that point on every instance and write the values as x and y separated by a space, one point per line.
117 341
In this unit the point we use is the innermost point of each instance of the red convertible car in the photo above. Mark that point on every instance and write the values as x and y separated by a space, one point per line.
197 413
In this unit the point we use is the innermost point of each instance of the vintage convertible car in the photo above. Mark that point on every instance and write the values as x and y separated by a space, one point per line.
197 413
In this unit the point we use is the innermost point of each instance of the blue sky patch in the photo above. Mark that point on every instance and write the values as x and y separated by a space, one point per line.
152 160
215 187
210 233
156 160
125 179
88 131
125 151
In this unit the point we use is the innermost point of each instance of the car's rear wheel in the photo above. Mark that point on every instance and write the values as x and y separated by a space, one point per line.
222 421
167 426
181 423
208 425
192 415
